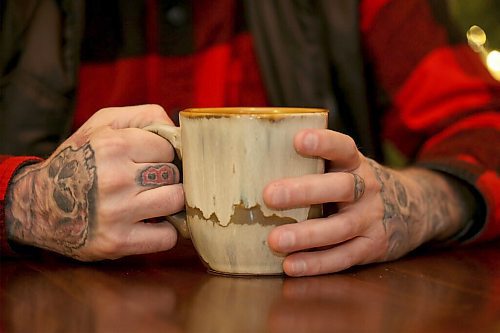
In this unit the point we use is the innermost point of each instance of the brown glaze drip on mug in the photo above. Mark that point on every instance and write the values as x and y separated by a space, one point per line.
243 215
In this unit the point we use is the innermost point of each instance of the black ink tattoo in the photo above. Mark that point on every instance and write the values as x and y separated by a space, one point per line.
51 204
359 186
401 194
395 216
410 219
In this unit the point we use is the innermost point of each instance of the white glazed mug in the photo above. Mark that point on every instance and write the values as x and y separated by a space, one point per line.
228 157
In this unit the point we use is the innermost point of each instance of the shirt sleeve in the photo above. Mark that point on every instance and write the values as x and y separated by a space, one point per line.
8 167
440 104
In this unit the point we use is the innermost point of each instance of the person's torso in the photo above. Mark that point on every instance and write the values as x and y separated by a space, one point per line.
172 53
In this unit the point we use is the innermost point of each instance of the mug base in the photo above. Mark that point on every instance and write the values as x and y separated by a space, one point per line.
244 275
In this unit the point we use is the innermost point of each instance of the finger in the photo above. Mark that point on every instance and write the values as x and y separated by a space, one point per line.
354 252
150 237
160 201
330 145
314 233
129 116
130 145
154 175
144 146
311 189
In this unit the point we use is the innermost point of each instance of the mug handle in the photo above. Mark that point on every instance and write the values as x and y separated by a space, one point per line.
170 133
173 135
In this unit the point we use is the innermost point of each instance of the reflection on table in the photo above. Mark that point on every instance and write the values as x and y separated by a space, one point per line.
446 291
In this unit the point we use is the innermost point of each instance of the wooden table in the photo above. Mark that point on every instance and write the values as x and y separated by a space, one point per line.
445 291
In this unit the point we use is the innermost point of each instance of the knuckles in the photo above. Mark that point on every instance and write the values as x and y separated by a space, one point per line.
108 145
110 181
352 153
110 246
110 212
156 111
105 246
110 250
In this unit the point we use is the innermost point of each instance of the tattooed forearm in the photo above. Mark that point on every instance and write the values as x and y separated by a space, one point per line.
418 206
51 205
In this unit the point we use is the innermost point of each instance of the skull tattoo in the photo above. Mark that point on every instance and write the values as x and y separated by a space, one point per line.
72 174
55 201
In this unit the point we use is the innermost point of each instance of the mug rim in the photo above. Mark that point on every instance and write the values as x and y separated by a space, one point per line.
256 111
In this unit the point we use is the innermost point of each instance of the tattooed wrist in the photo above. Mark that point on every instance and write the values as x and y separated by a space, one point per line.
51 204
418 207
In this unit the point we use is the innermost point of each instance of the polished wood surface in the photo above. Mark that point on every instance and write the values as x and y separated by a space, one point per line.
442 291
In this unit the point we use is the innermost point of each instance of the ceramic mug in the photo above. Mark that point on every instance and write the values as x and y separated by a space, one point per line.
228 157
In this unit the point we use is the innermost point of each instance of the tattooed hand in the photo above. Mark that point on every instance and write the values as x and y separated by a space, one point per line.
90 198
381 213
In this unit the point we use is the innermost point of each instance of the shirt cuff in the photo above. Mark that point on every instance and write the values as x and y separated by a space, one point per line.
8 167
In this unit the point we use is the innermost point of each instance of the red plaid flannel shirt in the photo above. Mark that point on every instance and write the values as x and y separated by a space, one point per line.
442 103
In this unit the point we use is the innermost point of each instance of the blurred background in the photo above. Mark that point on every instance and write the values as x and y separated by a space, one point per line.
480 21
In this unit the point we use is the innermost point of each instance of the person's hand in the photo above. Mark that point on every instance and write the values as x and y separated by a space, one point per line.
90 198
381 214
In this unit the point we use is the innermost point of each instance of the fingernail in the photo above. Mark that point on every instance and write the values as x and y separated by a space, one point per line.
310 141
286 240
298 267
